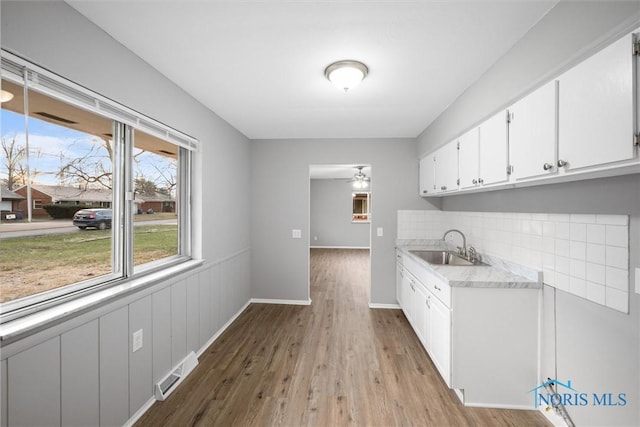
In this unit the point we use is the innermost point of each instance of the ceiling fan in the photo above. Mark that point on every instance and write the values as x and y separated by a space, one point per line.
360 180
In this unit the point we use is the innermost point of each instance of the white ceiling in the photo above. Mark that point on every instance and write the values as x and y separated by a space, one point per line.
260 64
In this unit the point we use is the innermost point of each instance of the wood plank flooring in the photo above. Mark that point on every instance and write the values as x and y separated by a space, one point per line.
333 363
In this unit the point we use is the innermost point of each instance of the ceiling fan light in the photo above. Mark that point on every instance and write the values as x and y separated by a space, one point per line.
346 74
5 96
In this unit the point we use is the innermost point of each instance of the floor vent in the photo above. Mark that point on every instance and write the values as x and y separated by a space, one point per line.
165 386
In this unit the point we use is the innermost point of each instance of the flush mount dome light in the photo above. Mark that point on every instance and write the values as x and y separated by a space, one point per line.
346 74
5 96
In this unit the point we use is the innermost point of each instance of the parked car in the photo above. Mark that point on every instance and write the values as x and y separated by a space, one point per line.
96 218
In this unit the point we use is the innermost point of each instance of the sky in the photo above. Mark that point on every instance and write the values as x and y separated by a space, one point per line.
51 146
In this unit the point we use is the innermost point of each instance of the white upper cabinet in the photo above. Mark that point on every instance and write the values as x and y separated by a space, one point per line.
583 125
596 109
446 160
427 175
494 150
469 154
532 133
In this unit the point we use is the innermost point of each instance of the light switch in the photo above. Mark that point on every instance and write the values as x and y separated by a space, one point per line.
296 234
637 280
137 341
380 232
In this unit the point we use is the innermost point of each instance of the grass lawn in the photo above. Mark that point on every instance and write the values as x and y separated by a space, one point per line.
30 265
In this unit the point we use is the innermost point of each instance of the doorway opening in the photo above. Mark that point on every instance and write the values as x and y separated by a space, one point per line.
340 212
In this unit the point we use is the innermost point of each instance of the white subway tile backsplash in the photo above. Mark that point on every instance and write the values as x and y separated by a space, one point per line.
596 273
617 278
562 282
577 269
563 230
577 250
617 300
596 253
596 233
612 219
578 287
617 235
583 254
548 245
563 248
596 293
578 232
583 219
563 265
617 257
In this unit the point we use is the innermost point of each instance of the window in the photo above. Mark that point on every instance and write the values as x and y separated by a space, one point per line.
119 180
361 202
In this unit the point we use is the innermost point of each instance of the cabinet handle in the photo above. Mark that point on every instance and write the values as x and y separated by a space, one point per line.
428 302
548 166
562 163
474 181
424 191
437 288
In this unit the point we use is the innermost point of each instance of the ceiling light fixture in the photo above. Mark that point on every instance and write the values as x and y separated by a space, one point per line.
5 96
360 180
346 74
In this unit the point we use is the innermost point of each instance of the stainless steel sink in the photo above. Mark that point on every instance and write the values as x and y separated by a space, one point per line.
443 258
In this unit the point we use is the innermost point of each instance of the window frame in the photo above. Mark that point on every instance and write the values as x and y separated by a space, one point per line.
125 120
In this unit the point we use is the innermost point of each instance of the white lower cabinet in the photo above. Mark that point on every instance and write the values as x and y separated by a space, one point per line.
483 341
439 322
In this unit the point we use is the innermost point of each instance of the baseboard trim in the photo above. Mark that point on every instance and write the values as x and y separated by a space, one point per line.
339 247
280 301
385 306
497 406
222 329
553 417
140 412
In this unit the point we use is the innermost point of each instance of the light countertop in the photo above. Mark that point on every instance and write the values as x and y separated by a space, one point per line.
496 274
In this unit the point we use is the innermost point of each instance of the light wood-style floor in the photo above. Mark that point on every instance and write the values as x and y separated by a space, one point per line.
333 363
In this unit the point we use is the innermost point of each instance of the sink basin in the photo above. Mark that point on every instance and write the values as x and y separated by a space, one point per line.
443 258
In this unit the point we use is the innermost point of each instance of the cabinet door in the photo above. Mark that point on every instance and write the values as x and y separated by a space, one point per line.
447 168
406 295
532 133
441 338
428 175
419 312
494 150
596 109
469 159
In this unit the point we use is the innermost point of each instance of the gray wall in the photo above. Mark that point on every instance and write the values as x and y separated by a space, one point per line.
42 374
568 33
331 211
597 348
280 194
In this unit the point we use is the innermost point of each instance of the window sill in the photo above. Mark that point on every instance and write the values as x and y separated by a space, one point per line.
24 326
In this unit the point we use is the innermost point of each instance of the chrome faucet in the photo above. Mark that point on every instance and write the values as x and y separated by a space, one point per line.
463 250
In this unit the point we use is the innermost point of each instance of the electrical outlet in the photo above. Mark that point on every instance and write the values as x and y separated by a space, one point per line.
380 232
137 340
296 234
637 280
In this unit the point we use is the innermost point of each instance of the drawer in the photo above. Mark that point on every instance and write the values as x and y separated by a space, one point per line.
434 284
